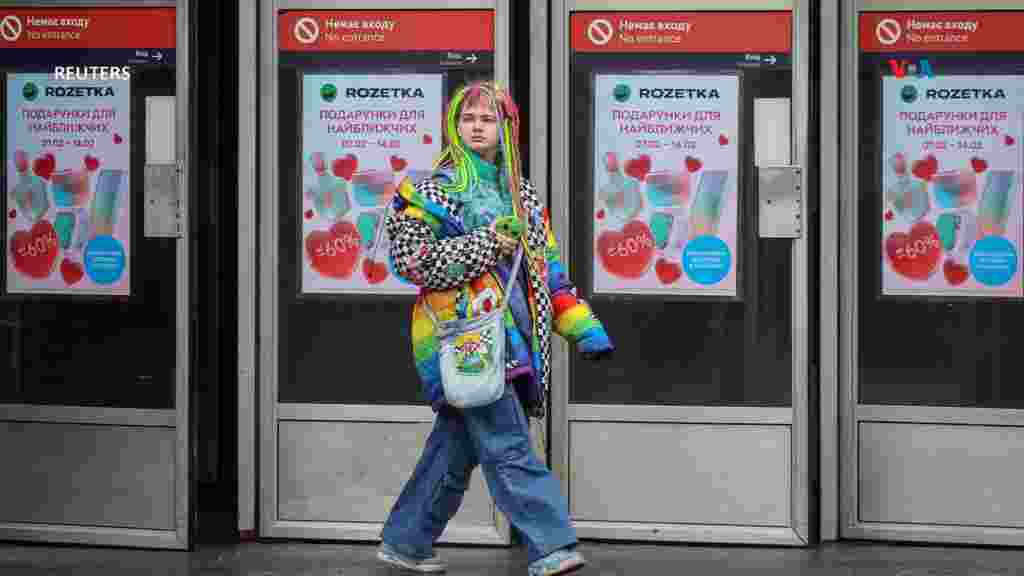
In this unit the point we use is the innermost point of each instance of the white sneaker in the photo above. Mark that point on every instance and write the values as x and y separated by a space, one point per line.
388 555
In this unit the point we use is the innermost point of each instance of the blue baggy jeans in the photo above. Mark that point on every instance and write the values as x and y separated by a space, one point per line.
497 438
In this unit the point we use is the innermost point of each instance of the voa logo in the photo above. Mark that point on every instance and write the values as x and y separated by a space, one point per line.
903 68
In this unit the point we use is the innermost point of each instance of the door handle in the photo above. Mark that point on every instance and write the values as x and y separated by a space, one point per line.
779 201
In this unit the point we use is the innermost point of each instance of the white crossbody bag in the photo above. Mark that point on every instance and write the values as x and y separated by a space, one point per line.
472 352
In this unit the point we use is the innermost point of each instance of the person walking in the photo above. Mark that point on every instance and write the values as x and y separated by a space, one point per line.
454 235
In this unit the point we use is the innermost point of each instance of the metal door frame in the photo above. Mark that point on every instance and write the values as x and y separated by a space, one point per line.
797 417
851 414
270 411
178 417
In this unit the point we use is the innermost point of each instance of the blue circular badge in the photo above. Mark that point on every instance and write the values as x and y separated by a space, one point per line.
104 260
707 260
993 261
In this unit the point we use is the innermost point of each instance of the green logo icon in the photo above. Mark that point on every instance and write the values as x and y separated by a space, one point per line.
328 92
30 91
621 92
908 94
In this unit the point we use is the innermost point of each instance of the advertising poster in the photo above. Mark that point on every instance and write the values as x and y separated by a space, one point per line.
68 174
362 134
951 179
665 184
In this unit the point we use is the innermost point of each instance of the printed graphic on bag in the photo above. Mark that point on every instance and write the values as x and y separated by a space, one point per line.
474 351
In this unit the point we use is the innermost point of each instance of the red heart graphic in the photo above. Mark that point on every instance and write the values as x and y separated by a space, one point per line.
668 272
600 214
35 251
12 214
956 274
611 162
693 164
118 139
334 253
374 272
723 139
639 167
427 139
925 169
21 161
398 164
71 271
889 215
979 165
309 214
915 255
91 163
627 254
345 167
44 166
1009 140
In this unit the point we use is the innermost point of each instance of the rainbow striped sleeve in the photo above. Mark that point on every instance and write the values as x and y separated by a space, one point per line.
573 318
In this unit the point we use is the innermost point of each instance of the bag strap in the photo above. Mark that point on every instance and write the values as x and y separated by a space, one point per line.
506 293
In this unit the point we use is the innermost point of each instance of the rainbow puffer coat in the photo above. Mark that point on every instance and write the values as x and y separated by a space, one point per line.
431 248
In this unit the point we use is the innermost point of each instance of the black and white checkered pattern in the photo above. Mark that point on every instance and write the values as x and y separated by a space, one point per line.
439 264
432 191
536 238
429 262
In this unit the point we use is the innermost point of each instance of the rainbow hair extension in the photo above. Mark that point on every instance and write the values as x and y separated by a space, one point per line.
456 156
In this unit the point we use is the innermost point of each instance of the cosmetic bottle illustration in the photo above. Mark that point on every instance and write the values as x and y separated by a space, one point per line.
620 194
955 188
329 192
106 206
996 202
706 212
668 188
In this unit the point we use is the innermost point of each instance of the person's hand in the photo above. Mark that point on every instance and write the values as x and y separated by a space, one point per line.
507 246
508 231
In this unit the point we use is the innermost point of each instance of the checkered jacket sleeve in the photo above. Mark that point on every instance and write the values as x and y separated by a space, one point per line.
438 264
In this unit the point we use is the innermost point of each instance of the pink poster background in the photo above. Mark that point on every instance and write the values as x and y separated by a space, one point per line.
72 145
944 139
652 156
362 134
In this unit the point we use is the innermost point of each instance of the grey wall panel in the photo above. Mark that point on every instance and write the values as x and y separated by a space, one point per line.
354 471
87 475
941 474
680 473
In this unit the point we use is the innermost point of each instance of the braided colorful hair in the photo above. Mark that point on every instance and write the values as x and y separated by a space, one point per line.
455 156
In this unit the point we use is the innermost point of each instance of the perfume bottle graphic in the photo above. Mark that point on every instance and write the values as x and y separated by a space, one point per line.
71 188
706 211
667 188
329 193
958 231
996 201
106 206
373 187
621 195
30 196
909 198
955 188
